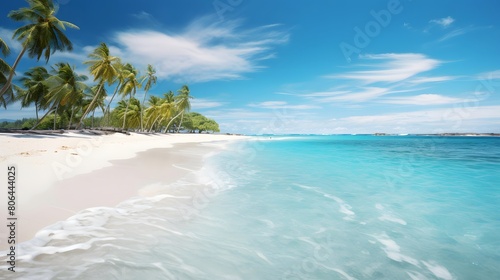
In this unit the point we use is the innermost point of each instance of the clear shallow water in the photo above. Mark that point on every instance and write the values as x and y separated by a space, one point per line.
315 207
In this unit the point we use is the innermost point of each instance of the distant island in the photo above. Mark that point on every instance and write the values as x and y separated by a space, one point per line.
441 134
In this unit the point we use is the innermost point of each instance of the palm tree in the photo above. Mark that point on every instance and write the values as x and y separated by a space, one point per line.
168 107
148 80
119 78
129 86
182 103
43 35
162 109
152 112
8 96
103 68
65 84
4 67
130 111
76 106
34 89
4 72
99 103
65 88
4 49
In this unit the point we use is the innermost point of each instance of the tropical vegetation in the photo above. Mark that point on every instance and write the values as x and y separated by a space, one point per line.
69 100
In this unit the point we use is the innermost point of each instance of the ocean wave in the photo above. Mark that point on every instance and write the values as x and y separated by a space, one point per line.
344 207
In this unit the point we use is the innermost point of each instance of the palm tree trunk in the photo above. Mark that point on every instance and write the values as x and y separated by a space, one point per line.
180 124
142 113
154 122
93 113
13 71
172 121
90 106
55 115
71 118
109 104
40 120
36 110
125 115
142 109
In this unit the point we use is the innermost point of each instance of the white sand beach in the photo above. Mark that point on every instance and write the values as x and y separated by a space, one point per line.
60 175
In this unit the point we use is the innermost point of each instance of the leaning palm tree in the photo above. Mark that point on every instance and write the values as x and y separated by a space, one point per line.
8 96
4 67
34 89
163 109
5 50
103 68
90 95
130 111
129 86
152 112
183 104
119 80
65 88
5 70
43 35
148 81
76 106
168 108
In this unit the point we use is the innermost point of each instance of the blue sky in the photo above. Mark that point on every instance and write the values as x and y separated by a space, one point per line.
303 66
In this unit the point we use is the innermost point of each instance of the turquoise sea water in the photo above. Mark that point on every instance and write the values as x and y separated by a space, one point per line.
365 207
299 207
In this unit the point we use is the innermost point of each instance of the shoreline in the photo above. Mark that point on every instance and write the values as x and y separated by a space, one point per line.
59 176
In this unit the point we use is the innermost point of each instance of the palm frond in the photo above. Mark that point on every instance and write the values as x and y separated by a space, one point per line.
43 35
4 48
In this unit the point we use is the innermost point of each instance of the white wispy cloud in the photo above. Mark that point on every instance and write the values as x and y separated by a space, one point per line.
423 99
458 118
491 75
423 80
454 33
460 31
263 122
327 93
200 103
143 15
75 57
443 22
281 105
442 116
238 114
391 67
362 95
206 50
146 18
350 93
454 119
380 75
